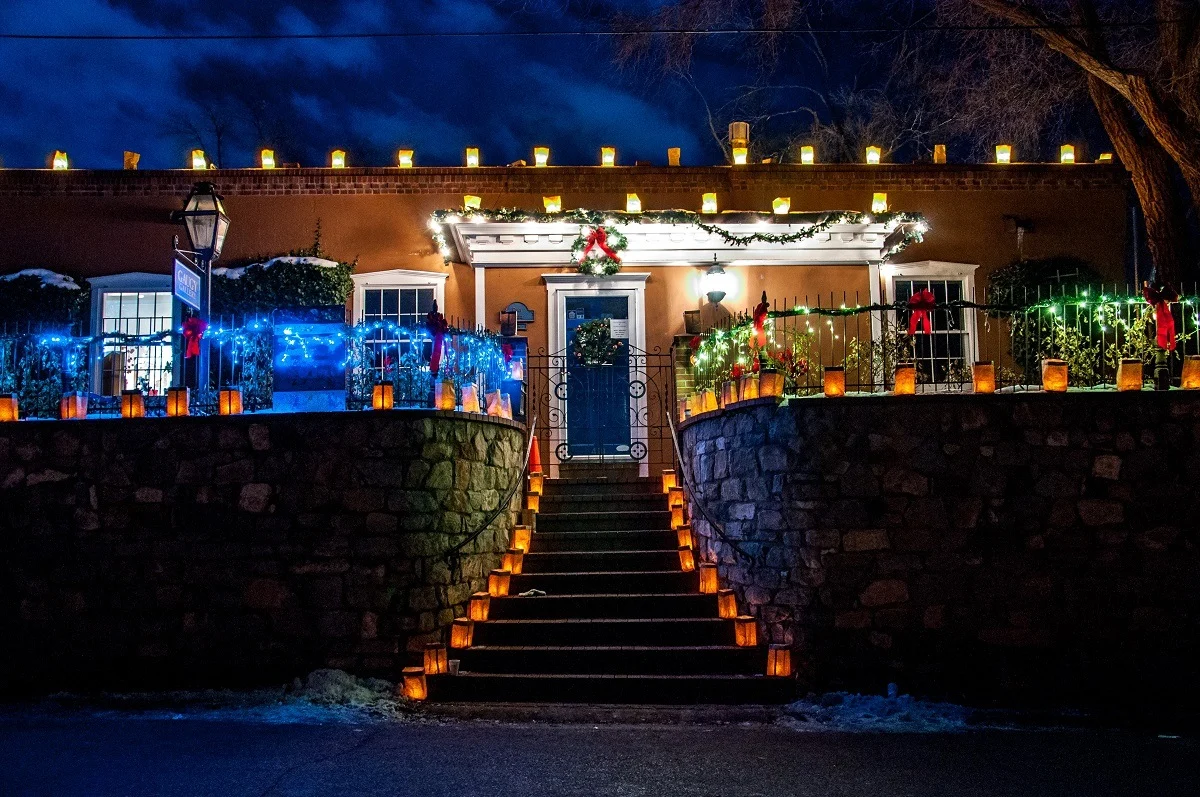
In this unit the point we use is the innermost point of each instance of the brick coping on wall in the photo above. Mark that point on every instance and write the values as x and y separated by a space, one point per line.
406 413
566 179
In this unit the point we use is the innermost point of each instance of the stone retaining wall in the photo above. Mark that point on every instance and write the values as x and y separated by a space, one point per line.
1007 546
238 550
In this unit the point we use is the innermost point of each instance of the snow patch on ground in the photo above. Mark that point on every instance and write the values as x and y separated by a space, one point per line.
852 713
237 271
48 277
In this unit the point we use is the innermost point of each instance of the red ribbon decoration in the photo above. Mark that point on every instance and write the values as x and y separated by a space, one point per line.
435 322
1160 297
193 329
760 323
507 350
598 238
737 371
920 303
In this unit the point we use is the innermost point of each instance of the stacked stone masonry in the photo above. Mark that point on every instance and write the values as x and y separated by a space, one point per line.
241 550
994 547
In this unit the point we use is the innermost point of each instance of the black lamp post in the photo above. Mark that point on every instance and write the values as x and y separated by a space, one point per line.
207 225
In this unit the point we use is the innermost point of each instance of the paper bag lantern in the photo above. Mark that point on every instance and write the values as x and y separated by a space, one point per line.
514 558
178 401
229 401
779 661
668 480
770 383
470 398
834 381
521 537
383 396
745 631
462 631
983 377
493 403
726 604
133 404
1054 376
1129 374
413 683
708 578
683 536
506 406
436 659
73 406
443 395
707 400
905 379
1190 380
748 387
498 582
8 407
687 559
479 607
729 393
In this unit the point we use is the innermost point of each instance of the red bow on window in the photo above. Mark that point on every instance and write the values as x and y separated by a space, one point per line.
435 322
920 303
598 238
1160 297
193 330
760 322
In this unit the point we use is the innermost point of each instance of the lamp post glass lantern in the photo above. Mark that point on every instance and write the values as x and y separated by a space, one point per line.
207 225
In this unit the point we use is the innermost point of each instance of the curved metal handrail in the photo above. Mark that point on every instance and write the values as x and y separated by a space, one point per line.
719 528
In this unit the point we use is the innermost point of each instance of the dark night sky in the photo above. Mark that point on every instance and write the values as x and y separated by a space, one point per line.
95 100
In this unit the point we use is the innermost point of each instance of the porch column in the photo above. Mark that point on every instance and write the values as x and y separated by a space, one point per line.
480 298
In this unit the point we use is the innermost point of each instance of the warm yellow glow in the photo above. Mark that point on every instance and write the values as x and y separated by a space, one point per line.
781 205
506 406
436 659
693 405
131 160
608 156
493 403
668 480
471 157
1129 374
513 559
708 578
462 630
677 518
808 155
1105 157
472 202
874 154
516 369
906 379
1054 376
748 387
1066 153
73 406
198 159
266 158
413 683
521 537
779 661
684 409
740 154
770 383
533 503
633 204
687 560
541 156
60 160
178 401
708 203
337 159
552 204
498 581
537 483
673 156
443 395
729 393
879 203
383 396
1190 379
229 401
726 604
1003 153
9 407
404 158
133 404
479 607
683 536
983 377
470 398
675 497
707 399
745 631
939 153
834 381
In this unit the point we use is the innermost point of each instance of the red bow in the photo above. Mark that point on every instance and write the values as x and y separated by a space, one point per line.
760 323
435 322
507 350
598 238
193 329
695 342
920 303
1164 323
737 371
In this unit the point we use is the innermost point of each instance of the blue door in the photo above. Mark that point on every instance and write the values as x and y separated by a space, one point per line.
598 398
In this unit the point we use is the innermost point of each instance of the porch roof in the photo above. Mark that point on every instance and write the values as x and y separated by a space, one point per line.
494 239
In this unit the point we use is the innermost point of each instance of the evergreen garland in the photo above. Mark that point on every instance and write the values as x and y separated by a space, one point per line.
606 264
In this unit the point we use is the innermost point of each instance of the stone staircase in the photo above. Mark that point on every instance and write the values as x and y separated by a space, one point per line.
620 622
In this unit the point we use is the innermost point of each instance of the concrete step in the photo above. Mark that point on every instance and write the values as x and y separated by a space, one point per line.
583 488
606 561
603 521
628 540
626 502
616 660
635 605
586 688
618 583
606 631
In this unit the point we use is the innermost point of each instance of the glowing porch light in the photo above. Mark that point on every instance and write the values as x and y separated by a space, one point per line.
633 204
807 155
552 204
879 203
873 155
199 161
541 156
472 202
59 161
1066 153
266 159
708 203
781 205
608 156
404 158
471 157
1003 153
337 159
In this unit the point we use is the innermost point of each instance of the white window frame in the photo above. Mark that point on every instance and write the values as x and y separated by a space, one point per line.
883 278
130 282
397 278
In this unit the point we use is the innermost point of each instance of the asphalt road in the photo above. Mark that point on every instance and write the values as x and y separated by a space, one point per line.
115 755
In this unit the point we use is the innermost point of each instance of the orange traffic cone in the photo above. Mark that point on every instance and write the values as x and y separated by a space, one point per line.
535 457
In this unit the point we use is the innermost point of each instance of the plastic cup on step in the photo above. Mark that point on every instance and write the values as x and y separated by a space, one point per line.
453 665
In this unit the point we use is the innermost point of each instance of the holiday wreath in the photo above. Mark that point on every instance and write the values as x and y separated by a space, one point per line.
596 250
594 344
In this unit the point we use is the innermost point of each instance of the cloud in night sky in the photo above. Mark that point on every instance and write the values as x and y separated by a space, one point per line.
368 96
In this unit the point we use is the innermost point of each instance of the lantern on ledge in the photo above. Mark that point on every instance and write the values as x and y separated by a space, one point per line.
506 406
59 161
498 582
513 559
266 159
707 400
533 502
404 158
1190 379
493 404
677 518
521 537
693 405
1054 375
541 156
608 156
552 204
748 387
199 162
472 202
983 377
73 406
770 383
708 578
905 383
462 631
8 407
413 683
779 661
668 480
229 401
781 205
874 154
479 607
470 397
673 154
178 401
879 203
675 497
683 410
383 396
726 604
337 159
633 203
133 404
708 203
834 381
436 662
687 559
745 631
471 157
729 393
443 395
808 155
1129 374
537 483
1003 153
1066 153
683 536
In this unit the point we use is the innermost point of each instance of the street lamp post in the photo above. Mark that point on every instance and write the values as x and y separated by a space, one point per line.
207 225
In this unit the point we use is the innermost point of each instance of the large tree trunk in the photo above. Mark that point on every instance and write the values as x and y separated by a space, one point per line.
1150 170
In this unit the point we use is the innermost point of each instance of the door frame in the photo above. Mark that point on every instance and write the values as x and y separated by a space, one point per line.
631 285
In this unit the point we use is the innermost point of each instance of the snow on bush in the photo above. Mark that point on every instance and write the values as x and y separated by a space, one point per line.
843 711
47 277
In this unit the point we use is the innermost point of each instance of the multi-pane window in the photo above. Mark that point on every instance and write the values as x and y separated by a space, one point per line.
406 307
944 352
145 365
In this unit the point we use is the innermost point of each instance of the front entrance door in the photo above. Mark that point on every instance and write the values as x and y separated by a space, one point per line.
597 396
